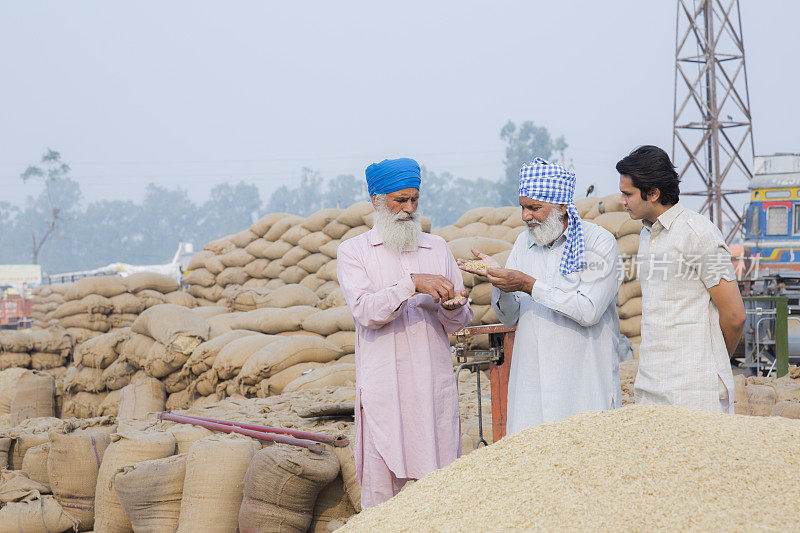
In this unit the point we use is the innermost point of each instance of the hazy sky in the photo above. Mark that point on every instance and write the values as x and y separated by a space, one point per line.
196 93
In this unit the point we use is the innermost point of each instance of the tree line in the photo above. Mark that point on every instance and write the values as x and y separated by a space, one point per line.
58 230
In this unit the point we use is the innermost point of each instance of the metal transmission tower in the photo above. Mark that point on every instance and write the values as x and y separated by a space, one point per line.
712 127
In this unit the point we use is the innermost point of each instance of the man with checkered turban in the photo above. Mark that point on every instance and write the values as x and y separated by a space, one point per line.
559 289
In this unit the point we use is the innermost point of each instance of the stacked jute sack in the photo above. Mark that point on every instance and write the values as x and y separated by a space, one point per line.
768 396
99 473
96 305
45 299
34 348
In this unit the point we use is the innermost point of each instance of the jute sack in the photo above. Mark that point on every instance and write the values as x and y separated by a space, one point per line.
330 248
281 226
178 381
326 289
179 400
236 258
225 321
273 270
177 328
46 361
332 507
187 434
221 245
786 409
760 399
263 224
16 486
294 234
34 397
348 469
117 374
319 219
83 379
5 447
328 271
54 340
449 233
473 215
345 340
230 359
334 299
257 247
292 275
210 311
338 374
100 351
182 298
272 321
628 244
243 238
277 382
212 489
143 396
354 215
202 358
205 384
152 506
40 514
294 256
161 361
628 290
134 350
91 304
150 298
330 321
80 335
584 205
631 327
632 307
11 360
126 447
740 397
314 241
16 341
462 248
481 294
110 404
198 259
284 353
151 280
232 276
286 296
83 405
619 224
201 277
255 268
281 486
35 463
86 321
107 286
475 229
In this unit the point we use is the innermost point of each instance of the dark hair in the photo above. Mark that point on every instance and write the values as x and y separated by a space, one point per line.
649 168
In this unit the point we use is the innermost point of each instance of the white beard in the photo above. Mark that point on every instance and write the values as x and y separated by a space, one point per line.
545 233
399 235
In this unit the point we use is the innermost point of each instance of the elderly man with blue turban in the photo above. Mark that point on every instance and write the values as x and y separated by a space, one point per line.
559 289
406 294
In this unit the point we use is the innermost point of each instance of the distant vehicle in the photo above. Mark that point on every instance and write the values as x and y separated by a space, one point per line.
15 311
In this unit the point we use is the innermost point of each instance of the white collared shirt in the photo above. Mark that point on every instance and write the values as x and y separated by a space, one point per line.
565 350
683 359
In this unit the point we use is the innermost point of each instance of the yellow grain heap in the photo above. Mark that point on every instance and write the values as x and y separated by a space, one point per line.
639 468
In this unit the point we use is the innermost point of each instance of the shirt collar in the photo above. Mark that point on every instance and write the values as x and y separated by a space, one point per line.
375 238
667 217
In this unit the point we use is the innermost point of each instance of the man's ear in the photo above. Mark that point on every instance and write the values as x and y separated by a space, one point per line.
654 195
563 208
374 205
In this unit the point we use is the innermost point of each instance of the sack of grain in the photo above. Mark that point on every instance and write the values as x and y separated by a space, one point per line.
83 405
275 384
619 224
33 397
272 321
293 275
220 246
161 362
83 379
233 355
201 277
631 327
203 356
332 508
86 321
353 216
205 384
243 238
179 400
294 234
281 486
39 514
628 290
232 276
127 447
186 435
263 224
177 328
280 227
135 349
8 386
631 308
53 340
318 220
338 375
355 232
152 506
326 289
143 396
344 340
198 260
11 360
584 205
34 464
107 286
15 341
212 489
335 229
473 215
46 361
348 470
110 404
286 352
177 381
151 280
102 350
628 245
461 248
16 486
786 409
330 321
760 399
181 298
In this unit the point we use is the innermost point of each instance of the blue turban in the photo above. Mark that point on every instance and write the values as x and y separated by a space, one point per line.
551 183
392 175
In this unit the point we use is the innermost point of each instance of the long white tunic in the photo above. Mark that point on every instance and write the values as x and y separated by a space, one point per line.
565 350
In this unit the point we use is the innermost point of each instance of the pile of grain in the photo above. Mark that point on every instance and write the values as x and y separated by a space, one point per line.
634 469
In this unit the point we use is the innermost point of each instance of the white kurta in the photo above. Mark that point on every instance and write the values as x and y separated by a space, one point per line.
683 359
565 350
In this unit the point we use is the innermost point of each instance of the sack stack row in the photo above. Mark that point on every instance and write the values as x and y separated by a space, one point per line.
98 474
100 304
34 348
45 299
768 396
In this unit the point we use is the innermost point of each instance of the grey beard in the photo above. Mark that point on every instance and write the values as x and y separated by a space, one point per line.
548 231
400 236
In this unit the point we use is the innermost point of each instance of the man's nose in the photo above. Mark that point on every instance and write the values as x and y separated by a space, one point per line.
527 216
408 207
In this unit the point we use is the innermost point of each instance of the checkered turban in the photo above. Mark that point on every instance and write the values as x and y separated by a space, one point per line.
551 183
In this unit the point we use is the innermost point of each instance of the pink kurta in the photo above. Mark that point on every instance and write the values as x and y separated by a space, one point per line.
406 394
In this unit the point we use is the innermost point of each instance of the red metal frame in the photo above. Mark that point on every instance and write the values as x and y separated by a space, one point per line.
498 374
14 310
